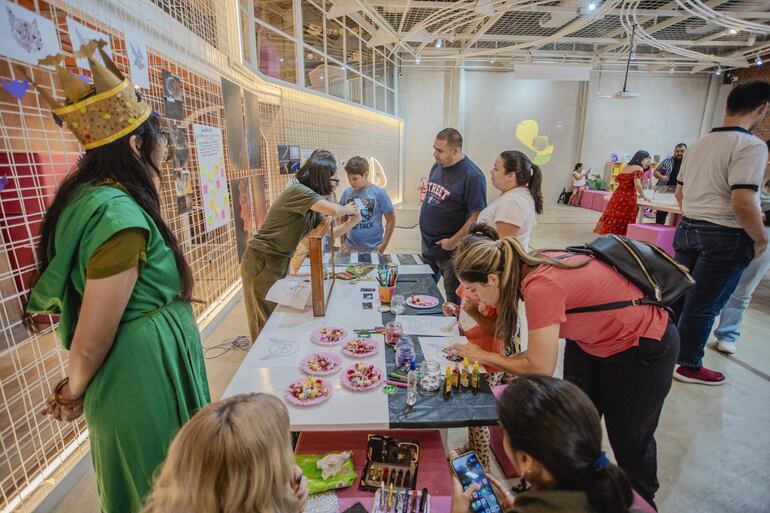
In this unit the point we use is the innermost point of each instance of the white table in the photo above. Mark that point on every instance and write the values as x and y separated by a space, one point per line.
661 201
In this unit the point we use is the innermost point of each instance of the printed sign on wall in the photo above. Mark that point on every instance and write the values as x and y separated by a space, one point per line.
213 182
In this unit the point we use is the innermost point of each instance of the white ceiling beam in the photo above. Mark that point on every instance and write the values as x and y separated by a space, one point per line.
403 16
487 25
343 8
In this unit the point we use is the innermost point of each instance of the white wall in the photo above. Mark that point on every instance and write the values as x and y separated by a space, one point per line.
421 105
496 102
669 110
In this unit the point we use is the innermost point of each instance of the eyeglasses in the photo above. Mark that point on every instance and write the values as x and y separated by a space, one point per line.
335 181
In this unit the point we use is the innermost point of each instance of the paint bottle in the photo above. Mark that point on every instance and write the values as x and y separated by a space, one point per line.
464 373
456 377
475 376
448 381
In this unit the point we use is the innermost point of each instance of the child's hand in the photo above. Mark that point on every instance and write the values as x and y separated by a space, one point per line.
450 309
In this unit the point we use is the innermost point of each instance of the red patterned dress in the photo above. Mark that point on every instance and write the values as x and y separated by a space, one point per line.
621 210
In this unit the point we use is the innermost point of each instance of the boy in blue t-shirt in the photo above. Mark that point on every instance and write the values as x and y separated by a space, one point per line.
368 234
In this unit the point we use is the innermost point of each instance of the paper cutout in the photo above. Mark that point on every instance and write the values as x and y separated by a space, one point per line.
16 88
25 36
3 183
211 162
138 61
80 35
528 133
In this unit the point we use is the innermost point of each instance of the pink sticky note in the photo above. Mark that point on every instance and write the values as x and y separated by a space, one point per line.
223 213
218 185
205 189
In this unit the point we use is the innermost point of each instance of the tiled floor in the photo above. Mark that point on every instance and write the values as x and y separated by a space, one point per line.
713 442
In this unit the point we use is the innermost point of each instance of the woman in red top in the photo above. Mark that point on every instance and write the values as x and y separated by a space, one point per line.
623 358
621 210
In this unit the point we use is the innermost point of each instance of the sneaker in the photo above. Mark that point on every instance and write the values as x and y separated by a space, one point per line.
701 376
726 347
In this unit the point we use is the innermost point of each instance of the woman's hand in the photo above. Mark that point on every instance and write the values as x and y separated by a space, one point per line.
299 486
351 209
450 309
470 351
503 494
461 499
65 413
470 304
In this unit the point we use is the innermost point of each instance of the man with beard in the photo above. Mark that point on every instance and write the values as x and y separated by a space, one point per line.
721 229
666 174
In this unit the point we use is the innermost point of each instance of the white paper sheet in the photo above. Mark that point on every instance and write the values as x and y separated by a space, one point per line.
290 292
432 348
80 35
434 325
138 60
25 36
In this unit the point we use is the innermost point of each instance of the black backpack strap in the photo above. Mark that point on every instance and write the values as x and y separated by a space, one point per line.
617 305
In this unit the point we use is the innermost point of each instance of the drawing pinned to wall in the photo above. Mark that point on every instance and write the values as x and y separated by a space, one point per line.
253 134
243 212
377 173
183 186
178 136
25 36
288 159
173 101
138 61
528 133
80 35
213 180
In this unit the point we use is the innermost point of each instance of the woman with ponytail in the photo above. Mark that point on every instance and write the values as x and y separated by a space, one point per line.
553 436
622 356
513 213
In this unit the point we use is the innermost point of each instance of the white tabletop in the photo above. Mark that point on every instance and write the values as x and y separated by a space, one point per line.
273 363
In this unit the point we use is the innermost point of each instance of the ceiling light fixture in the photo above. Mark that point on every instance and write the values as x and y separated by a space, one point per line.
417 60
758 61
592 6
492 61
439 43
718 71
732 31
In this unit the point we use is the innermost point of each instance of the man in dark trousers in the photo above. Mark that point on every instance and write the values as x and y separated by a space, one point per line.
455 194
667 174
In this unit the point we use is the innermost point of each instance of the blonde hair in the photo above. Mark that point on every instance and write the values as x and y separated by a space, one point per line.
233 456
481 253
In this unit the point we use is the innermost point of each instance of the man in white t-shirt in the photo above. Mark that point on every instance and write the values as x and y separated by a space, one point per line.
721 228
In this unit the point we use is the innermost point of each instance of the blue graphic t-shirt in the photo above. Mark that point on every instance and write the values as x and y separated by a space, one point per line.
452 194
369 232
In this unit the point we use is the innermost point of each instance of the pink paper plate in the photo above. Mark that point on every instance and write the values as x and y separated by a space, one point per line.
350 353
310 402
425 301
336 360
316 336
345 380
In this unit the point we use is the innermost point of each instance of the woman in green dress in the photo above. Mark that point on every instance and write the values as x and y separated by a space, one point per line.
114 273
299 209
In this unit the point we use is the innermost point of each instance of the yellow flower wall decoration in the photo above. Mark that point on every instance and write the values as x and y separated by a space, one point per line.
528 132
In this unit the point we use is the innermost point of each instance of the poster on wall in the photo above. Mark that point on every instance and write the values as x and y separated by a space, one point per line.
178 136
173 102
253 135
244 212
213 182
288 157
80 35
231 99
138 61
25 36
183 185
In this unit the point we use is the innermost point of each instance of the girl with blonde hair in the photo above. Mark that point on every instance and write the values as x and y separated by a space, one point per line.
234 456
622 355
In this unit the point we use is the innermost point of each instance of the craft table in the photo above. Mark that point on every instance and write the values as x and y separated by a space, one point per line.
661 201
274 359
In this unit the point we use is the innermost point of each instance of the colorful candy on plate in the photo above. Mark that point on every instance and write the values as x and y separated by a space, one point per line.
361 376
360 347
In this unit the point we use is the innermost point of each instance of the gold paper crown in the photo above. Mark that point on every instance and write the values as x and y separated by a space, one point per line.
101 112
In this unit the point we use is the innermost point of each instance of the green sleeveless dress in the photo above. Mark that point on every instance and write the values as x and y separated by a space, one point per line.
154 378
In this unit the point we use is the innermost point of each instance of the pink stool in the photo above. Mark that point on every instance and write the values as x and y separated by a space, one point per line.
597 200
661 236
587 199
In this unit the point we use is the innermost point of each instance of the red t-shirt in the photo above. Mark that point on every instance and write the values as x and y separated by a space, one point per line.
548 292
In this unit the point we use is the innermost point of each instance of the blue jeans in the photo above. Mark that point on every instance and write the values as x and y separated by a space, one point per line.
732 314
716 256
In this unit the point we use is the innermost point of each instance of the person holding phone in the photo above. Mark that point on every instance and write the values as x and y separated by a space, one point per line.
553 436
578 176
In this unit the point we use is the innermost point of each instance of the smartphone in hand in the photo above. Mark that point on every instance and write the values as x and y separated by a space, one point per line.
361 207
469 471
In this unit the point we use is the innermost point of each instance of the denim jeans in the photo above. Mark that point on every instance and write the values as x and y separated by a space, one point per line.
441 264
716 256
732 314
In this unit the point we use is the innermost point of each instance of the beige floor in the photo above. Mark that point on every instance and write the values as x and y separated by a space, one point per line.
713 442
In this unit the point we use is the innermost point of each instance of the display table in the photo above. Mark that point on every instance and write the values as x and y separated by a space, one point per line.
274 359
660 201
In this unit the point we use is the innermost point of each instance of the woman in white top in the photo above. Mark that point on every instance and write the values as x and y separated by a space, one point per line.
578 184
513 213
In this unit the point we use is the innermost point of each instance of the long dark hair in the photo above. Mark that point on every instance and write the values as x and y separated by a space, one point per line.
638 157
553 421
526 173
317 171
117 162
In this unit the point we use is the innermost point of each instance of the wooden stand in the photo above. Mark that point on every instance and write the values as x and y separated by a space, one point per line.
321 275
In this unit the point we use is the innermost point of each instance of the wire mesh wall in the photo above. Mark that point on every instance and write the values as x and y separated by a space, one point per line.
199 42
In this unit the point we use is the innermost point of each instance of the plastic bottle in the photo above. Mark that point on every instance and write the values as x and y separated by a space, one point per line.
475 376
464 373
456 377
411 384
448 380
